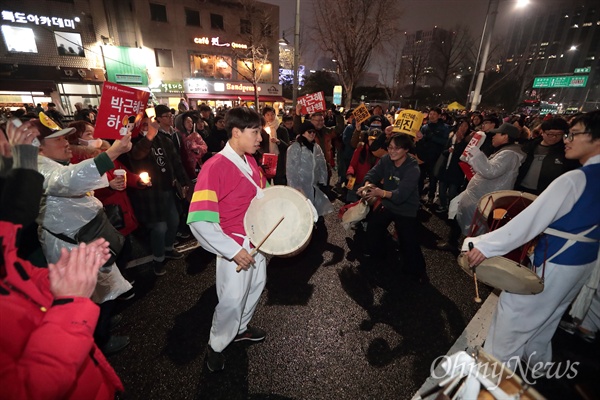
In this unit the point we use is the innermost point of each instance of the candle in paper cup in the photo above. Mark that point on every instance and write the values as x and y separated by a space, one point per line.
145 177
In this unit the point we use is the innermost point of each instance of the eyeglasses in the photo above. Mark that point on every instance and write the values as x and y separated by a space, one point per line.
312 132
569 136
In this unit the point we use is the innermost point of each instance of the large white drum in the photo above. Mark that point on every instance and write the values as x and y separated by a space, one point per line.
293 234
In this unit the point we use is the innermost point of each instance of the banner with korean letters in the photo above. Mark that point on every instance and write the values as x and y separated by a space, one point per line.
312 103
121 111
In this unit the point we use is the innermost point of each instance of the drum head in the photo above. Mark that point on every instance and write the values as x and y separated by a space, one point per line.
505 274
294 232
510 202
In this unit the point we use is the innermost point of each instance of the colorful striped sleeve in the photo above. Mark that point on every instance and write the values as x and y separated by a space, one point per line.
204 207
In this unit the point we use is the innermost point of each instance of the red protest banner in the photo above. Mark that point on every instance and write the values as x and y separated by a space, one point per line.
121 111
312 103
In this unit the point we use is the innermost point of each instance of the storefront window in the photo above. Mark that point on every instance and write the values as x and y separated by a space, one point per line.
210 66
244 68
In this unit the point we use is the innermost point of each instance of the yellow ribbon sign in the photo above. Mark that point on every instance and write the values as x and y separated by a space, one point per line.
361 114
409 122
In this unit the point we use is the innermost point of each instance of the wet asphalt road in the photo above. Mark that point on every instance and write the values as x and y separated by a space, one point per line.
339 327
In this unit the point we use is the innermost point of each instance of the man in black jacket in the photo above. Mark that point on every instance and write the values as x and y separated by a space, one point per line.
545 158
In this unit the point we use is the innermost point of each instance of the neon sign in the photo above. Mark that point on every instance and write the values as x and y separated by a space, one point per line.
215 42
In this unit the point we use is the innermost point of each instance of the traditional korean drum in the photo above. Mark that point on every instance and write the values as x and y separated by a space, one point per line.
293 234
510 272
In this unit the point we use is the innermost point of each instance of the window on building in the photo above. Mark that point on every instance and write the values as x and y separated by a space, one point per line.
164 58
210 66
216 21
267 31
192 17
69 44
19 40
245 27
158 12
245 67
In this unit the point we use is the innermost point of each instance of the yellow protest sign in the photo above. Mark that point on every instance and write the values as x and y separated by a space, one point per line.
361 114
409 122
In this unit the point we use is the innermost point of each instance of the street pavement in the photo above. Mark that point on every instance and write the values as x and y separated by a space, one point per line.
338 326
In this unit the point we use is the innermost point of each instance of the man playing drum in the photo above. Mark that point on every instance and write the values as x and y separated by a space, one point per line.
568 215
226 185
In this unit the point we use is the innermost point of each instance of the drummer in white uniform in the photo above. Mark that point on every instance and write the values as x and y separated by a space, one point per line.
567 214
226 185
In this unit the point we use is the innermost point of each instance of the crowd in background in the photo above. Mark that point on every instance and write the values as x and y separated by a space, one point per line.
147 181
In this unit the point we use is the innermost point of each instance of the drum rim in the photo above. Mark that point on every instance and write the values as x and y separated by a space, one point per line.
506 193
305 239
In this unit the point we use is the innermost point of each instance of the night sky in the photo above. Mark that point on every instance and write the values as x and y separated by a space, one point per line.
424 15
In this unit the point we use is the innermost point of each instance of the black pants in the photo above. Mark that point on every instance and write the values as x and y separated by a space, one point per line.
427 172
102 332
406 228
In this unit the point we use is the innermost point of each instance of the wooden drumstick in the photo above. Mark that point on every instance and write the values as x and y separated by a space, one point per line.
255 250
477 298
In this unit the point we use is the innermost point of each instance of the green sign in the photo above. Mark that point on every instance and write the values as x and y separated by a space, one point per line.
169 87
585 70
125 65
560 81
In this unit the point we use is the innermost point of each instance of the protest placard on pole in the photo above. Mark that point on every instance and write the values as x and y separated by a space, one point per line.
409 122
121 111
361 114
312 103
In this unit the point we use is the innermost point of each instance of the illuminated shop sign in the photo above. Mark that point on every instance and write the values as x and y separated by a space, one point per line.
195 85
215 42
22 18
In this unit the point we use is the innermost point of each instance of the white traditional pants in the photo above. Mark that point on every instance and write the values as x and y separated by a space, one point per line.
591 322
238 294
523 325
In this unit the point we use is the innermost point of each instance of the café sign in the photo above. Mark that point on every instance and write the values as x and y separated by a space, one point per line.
196 85
214 41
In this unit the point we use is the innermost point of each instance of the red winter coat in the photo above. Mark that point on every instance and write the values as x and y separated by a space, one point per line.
109 196
358 169
47 348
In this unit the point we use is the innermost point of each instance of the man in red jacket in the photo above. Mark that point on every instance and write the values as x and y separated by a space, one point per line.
47 348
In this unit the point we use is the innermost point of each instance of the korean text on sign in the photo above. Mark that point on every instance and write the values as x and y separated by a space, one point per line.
312 103
121 111
22 18
361 114
409 122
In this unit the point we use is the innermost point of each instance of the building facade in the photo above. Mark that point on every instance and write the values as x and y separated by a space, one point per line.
558 42
203 51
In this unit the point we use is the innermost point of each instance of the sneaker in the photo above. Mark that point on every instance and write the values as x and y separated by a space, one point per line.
115 344
214 361
572 328
589 337
568 327
183 235
128 295
159 268
116 321
252 334
173 255
446 246
441 209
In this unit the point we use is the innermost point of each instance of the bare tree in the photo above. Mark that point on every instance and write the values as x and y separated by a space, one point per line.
389 68
450 52
251 55
350 31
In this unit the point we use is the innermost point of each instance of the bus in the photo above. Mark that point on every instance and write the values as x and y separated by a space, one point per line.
532 107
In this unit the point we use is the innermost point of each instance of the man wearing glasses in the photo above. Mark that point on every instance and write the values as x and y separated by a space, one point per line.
568 217
545 159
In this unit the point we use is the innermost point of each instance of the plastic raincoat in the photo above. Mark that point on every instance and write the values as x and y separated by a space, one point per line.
67 205
499 172
306 169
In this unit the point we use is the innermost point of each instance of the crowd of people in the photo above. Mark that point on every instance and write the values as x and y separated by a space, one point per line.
195 172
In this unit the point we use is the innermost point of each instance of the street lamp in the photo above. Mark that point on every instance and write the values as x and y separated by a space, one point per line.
296 54
488 29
